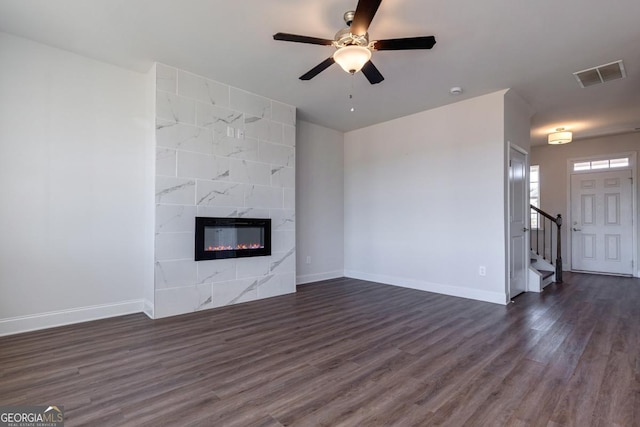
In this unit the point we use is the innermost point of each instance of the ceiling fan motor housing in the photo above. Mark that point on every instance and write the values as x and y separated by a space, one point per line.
348 17
345 38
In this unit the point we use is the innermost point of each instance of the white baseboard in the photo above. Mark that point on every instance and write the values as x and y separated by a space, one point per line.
148 309
310 278
34 322
454 291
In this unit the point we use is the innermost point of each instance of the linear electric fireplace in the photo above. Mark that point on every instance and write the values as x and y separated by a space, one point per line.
218 238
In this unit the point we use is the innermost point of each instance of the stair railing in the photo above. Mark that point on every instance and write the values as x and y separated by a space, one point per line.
544 230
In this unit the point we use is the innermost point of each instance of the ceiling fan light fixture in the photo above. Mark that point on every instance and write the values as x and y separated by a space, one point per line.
560 137
353 48
352 58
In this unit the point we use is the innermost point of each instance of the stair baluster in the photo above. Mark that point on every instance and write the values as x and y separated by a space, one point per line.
548 220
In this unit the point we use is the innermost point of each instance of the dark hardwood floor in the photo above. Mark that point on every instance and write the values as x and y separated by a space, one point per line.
348 353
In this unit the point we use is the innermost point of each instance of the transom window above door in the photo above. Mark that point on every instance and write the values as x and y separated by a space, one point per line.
619 162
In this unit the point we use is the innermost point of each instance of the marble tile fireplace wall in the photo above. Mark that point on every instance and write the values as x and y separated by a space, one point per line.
220 152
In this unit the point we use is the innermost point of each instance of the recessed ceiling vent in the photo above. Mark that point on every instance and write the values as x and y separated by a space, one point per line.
601 74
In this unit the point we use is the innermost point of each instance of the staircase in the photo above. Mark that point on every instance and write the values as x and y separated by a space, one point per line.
541 273
546 249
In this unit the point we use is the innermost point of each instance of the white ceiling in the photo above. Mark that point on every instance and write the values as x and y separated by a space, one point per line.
483 46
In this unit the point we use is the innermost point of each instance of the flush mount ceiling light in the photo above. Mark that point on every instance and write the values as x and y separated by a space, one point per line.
352 58
560 136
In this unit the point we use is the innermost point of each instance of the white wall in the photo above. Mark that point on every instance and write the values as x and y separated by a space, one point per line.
424 200
319 202
517 121
553 173
73 140
150 200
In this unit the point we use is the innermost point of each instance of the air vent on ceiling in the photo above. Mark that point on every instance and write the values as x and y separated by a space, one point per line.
601 74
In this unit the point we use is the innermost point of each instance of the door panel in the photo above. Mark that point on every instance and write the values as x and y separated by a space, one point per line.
612 247
518 202
602 224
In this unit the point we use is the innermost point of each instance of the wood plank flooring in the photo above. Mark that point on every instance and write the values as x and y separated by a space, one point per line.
348 353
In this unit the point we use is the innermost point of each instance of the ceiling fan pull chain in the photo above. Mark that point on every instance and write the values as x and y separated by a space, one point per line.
352 107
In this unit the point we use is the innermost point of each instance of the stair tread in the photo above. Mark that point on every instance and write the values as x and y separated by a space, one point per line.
546 273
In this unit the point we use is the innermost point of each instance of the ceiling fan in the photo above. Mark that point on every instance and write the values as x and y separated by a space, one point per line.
353 46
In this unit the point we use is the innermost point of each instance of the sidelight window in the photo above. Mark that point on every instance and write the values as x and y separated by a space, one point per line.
534 193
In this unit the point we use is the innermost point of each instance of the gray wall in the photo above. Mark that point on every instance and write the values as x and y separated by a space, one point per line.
319 202
412 191
75 144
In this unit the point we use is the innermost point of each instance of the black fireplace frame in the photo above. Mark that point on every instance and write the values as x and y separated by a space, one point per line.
202 222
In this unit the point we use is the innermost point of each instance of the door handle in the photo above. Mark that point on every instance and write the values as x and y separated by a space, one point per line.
525 229
577 229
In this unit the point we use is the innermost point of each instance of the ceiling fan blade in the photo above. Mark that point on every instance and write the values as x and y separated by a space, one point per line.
302 39
425 42
365 11
371 73
318 69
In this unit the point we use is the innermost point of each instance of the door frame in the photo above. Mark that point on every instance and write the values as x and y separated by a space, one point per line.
633 166
527 244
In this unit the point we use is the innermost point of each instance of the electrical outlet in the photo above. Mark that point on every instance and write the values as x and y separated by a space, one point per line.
482 270
240 133
308 260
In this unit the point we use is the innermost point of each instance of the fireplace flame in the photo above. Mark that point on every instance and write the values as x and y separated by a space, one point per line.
239 246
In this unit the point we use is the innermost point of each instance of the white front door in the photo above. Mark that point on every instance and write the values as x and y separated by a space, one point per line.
518 214
601 222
